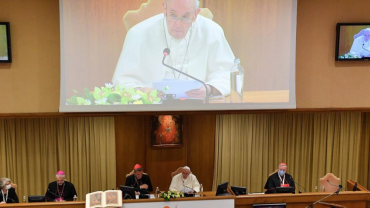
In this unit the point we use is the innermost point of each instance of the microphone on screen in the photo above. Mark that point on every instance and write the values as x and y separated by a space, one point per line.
166 52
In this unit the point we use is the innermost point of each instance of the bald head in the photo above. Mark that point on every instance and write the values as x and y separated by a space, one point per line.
186 2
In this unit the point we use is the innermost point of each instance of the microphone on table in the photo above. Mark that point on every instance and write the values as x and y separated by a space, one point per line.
52 193
339 187
298 184
190 188
166 52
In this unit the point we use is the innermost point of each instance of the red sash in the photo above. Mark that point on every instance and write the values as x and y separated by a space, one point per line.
285 185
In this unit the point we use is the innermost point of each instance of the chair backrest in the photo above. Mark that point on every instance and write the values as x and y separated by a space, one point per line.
179 170
359 34
333 183
149 9
132 172
277 170
13 185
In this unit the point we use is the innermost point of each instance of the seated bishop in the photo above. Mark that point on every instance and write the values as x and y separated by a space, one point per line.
279 179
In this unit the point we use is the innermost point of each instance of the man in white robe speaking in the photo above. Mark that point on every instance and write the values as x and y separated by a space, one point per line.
185 182
198 47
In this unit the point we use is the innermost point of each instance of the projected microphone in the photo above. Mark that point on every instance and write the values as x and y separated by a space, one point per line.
166 52
298 185
363 47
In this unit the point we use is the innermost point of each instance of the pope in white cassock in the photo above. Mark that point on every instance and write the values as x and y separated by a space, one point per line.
185 182
198 47
361 45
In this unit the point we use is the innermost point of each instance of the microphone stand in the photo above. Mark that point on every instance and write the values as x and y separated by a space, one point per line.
206 99
298 185
337 192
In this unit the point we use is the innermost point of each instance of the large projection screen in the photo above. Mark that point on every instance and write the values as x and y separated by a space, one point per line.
112 52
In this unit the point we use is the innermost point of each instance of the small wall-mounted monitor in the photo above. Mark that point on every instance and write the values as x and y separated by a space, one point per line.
128 192
222 189
279 205
5 48
36 198
239 190
352 42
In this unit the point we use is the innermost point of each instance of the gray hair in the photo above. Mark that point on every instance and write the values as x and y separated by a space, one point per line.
186 168
2 182
6 179
196 3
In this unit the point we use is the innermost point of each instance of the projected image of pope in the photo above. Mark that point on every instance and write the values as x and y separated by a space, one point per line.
198 47
361 45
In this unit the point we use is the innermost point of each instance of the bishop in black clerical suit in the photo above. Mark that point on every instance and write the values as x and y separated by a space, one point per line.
139 180
279 179
60 190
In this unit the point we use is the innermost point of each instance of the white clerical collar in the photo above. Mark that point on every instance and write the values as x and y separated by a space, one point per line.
169 37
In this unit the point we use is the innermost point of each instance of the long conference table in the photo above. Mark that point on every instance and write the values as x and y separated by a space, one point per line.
349 199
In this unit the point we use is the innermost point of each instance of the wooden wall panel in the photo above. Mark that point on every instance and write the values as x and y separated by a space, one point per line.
201 148
133 146
130 145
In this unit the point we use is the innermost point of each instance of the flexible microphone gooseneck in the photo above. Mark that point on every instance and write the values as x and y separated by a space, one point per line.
298 184
166 52
52 193
190 188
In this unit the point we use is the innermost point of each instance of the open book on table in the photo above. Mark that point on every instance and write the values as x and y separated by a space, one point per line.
109 198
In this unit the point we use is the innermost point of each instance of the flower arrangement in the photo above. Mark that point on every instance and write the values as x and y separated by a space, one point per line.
348 56
119 95
167 195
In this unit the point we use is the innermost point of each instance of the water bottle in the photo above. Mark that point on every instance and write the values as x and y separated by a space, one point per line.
24 199
201 190
75 198
323 189
157 193
236 82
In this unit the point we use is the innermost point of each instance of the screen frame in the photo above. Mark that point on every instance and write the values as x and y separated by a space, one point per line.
339 25
7 28
36 198
130 191
221 188
270 205
236 190
285 190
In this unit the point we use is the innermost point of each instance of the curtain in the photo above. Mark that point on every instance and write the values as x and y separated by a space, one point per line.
32 150
250 147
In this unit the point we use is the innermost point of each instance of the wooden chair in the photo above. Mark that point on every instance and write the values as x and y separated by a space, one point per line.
149 9
179 170
132 172
277 170
13 185
333 185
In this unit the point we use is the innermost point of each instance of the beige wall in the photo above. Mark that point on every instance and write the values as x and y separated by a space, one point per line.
320 81
31 83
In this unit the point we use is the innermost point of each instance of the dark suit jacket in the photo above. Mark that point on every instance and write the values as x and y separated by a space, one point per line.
131 181
274 181
68 192
12 196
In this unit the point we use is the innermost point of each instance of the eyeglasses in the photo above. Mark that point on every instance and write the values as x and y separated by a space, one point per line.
174 18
